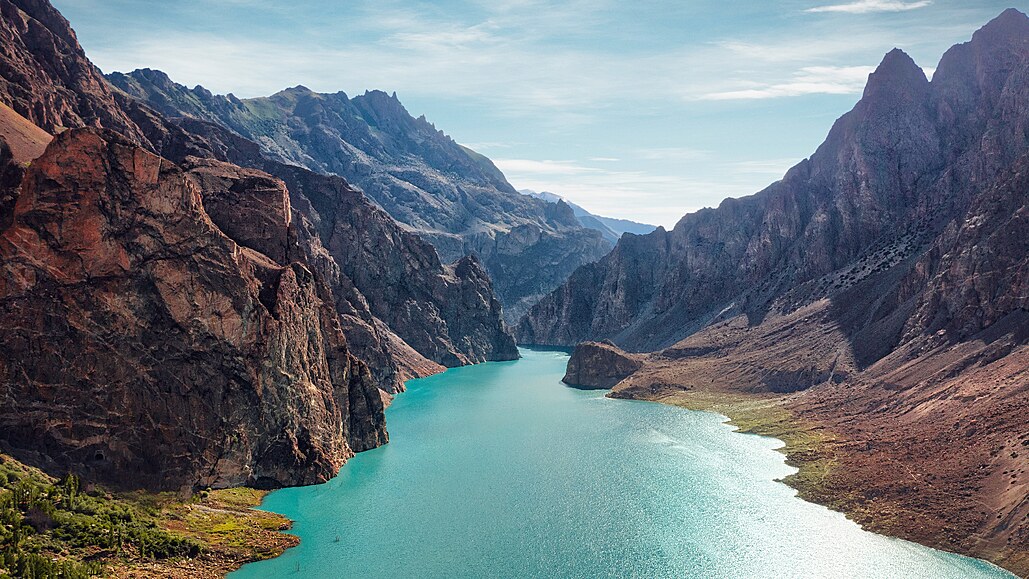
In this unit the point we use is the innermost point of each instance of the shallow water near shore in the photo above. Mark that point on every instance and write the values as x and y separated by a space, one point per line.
499 470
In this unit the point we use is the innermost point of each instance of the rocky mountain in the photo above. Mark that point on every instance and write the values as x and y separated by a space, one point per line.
145 345
880 289
178 310
891 176
448 194
609 227
53 93
459 336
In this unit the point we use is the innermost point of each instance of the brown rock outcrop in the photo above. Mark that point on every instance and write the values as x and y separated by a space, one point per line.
25 140
144 346
599 365
249 206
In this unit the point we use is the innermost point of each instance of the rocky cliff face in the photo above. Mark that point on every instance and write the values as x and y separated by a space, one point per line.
459 336
447 313
451 196
46 77
891 177
146 346
394 295
179 320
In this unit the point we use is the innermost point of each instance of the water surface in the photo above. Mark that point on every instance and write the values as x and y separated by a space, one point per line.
499 470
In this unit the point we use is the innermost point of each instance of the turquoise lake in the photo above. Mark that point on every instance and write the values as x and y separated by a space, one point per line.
499 470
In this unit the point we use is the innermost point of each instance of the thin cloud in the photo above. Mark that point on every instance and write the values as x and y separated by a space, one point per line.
672 154
480 146
807 81
545 167
644 196
869 6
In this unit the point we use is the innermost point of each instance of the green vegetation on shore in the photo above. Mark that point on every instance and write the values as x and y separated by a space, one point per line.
63 528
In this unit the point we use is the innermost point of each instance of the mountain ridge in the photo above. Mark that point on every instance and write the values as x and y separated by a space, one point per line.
451 196
886 117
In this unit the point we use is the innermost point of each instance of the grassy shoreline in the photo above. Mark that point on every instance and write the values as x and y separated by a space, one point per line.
808 446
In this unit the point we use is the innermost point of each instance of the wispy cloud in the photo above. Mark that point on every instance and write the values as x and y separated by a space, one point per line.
480 146
672 154
869 6
808 80
545 167
501 61
661 198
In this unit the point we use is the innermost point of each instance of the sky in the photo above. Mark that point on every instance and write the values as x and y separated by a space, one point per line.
644 110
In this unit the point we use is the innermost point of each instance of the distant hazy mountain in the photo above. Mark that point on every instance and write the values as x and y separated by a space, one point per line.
449 195
609 227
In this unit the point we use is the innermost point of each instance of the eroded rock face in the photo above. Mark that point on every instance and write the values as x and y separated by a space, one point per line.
447 313
144 346
599 365
451 196
41 53
249 206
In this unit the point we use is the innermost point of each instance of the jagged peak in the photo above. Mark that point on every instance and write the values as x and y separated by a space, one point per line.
384 103
383 94
299 89
989 53
151 73
899 63
376 95
293 94
151 76
897 72
1009 24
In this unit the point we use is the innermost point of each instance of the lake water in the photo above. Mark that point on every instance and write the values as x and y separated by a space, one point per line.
499 470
